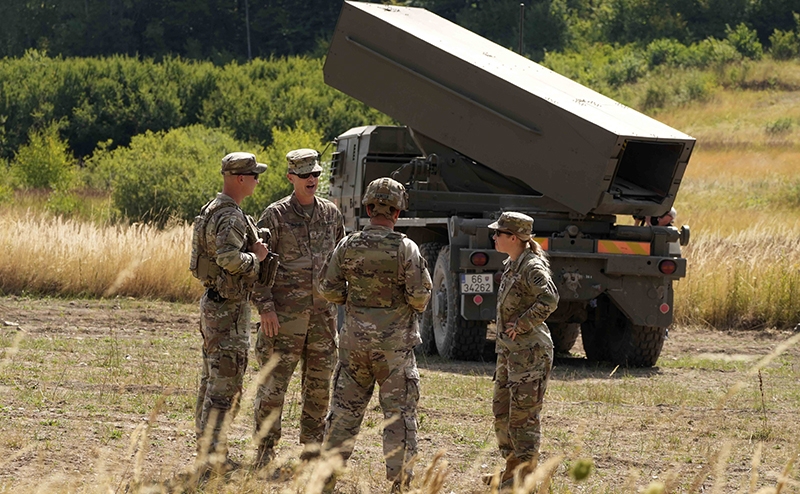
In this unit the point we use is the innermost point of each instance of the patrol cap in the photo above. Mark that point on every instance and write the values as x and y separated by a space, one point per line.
519 224
302 161
240 163
386 192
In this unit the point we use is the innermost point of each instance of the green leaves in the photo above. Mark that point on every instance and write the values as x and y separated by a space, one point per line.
45 162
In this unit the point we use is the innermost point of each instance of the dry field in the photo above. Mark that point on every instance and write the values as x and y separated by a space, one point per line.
98 396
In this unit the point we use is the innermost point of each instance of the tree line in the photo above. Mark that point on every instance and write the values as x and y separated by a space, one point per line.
239 30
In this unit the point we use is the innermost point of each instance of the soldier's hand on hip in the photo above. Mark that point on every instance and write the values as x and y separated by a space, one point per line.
260 250
510 330
269 323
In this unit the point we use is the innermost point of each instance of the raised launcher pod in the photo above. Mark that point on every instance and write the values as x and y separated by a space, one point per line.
568 142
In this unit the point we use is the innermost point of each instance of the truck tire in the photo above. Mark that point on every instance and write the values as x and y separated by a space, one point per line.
594 341
456 338
609 335
430 252
636 346
564 336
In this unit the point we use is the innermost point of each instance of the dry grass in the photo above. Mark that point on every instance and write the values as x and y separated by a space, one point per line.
50 255
99 397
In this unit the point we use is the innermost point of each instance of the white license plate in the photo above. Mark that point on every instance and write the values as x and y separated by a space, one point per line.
477 283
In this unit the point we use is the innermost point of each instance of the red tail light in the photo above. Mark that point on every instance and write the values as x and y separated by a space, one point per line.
479 259
667 266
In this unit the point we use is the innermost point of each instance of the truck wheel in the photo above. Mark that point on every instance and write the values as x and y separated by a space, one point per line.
456 338
564 335
609 335
594 341
430 252
636 346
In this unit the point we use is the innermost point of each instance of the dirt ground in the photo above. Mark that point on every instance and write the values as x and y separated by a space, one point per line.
95 394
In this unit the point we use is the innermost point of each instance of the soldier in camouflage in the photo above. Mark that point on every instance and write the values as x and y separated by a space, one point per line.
526 297
226 257
384 283
297 323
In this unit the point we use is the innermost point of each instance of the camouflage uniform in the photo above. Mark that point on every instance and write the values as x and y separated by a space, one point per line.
307 321
384 283
224 308
526 297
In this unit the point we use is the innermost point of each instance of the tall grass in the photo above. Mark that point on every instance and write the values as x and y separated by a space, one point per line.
50 255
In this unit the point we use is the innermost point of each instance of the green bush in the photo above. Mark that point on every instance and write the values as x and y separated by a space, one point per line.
624 70
6 188
745 40
668 52
780 126
45 161
164 175
784 45
109 100
712 52
273 184
655 96
63 202
695 86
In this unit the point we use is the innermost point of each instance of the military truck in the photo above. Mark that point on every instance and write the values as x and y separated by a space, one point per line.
487 130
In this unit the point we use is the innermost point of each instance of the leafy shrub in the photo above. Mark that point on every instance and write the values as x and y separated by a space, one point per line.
780 126
164 175
629 68
109 100
6 188
45 161
63 202
655 96
668 52
784 45
745 40
695 86
713 52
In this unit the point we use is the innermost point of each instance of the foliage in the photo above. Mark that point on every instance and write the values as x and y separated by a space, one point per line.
745 40
629 21
666 51
204 29
45 161
545 26
785 45
6 187
164 175
782 125
116 98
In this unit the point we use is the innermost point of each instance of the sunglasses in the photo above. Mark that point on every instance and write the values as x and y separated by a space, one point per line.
306 175
501 232
254 175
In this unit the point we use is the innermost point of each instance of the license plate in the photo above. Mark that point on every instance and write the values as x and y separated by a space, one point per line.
477 283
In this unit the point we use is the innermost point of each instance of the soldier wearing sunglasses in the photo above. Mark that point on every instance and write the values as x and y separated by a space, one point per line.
297 323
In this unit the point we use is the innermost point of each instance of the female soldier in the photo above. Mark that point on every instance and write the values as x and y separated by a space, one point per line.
524 348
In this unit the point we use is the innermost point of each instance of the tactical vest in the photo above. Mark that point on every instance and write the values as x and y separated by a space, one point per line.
203 267
371 268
